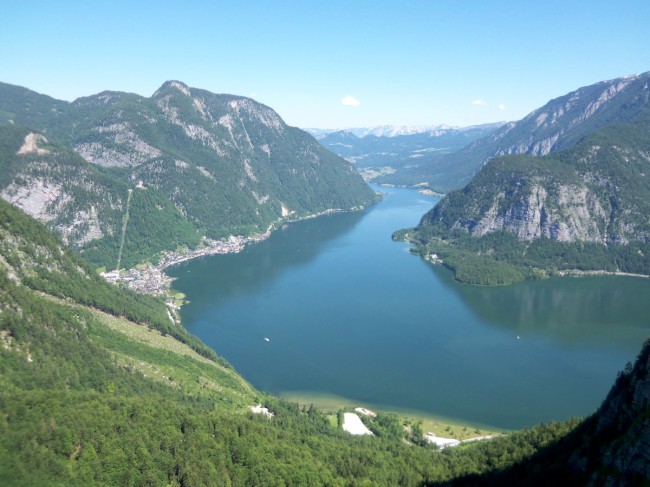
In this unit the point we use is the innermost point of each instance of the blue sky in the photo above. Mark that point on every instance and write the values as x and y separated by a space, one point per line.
458 62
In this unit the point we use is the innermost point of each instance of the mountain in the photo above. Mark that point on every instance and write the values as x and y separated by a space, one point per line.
559 124
186 162
84 203
384 154
383 130
584 208
100 388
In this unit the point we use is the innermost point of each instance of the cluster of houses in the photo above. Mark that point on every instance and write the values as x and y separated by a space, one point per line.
153 280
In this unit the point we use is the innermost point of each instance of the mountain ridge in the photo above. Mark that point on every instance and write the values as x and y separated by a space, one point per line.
557 125
579 209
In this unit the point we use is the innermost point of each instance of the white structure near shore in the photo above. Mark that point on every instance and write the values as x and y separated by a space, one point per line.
366 412
441 442
353 425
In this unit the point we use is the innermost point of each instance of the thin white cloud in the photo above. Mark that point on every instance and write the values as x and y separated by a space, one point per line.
501 106
350 101
480 103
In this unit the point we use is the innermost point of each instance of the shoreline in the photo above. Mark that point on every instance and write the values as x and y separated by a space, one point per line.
147 278
439 424
579 273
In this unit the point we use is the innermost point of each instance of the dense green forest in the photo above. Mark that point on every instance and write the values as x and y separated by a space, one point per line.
198 165
99 388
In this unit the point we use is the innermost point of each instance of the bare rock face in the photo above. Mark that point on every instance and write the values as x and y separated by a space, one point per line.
596 192
571 213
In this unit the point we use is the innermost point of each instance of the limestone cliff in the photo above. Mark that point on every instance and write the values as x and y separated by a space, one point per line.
526 210
595 192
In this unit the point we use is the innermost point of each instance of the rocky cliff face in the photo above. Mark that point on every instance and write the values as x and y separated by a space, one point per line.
54 185
574 212
594 192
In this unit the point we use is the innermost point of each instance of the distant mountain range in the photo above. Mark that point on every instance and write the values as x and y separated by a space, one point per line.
383 154
388 130
186 162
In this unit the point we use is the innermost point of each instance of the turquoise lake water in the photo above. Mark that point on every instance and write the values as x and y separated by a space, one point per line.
350 313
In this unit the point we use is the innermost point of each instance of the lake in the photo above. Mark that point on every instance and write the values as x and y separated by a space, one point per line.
332 307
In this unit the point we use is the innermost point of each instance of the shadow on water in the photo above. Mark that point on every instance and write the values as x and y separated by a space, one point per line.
568 310
213 279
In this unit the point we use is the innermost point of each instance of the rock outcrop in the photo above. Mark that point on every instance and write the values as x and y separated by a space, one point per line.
595 192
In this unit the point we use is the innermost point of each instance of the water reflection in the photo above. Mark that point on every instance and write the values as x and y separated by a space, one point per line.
569 310
241 274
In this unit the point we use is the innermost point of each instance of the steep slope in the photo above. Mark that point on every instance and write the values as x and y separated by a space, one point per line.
582 208
559 124
210 165
85 204
612 447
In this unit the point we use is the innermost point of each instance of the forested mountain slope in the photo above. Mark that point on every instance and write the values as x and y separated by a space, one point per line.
558 125
198 164
583 208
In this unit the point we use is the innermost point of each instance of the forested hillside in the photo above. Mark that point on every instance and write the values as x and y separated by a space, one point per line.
178 166
585 208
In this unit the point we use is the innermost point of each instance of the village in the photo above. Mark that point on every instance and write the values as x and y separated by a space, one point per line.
151 278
